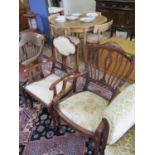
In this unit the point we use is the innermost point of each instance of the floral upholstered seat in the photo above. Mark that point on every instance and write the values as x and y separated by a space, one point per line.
85 109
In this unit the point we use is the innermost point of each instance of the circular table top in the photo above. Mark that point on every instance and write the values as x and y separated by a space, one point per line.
78 24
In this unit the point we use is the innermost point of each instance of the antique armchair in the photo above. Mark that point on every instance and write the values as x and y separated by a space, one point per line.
99 33
107 69
30 48
40 89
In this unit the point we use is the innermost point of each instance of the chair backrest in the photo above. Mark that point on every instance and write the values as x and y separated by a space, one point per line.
30 47
103 27
109 65
65 48
57 31
53 16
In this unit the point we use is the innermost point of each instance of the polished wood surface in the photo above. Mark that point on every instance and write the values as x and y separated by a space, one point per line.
121 11
78 24
128 47
22 73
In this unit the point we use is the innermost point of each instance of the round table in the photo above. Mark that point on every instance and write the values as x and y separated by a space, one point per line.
80 27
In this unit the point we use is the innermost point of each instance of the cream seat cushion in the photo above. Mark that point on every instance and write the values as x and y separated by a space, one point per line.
124 146
41 88
121 114
85 109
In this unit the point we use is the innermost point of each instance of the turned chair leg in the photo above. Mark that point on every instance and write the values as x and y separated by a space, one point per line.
97 145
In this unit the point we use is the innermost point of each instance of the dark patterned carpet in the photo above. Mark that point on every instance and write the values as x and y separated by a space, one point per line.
37 136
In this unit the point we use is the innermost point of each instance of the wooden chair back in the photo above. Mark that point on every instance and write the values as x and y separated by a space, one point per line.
103 27
66 49
30 47
57 31
109 65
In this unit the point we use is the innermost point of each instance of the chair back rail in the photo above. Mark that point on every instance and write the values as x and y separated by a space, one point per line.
109 65
66 49
31 46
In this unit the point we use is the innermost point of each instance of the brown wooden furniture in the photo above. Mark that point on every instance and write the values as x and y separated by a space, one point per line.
128 46
121 11
23 24
83 110
30 47
41 88
99 33
80 27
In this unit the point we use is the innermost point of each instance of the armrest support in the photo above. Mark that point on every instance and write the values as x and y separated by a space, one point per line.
72 76
33 67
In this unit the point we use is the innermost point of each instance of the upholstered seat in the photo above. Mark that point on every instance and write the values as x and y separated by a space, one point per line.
41 90
85 109
124 146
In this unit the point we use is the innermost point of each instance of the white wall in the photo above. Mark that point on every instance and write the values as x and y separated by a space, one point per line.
81 6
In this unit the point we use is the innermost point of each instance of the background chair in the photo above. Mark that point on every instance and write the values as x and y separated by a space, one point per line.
118 121
58 31
83 110
30 47
40 89
99 33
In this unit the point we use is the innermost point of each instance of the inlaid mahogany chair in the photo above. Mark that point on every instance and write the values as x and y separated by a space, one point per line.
41 89
30 48
118 124
107 69
99 33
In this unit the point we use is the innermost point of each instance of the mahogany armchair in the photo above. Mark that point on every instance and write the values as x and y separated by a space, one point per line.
41 89
30 48
83 109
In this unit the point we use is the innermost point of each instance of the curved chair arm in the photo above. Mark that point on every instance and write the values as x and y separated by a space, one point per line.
32 67
22 43
120 114
72 76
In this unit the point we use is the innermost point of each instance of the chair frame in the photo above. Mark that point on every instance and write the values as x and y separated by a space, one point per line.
63 68
98 134
37 43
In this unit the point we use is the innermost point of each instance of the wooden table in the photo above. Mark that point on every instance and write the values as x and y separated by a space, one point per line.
80 27
127 45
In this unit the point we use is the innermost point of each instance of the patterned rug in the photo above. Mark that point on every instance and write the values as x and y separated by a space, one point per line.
37 136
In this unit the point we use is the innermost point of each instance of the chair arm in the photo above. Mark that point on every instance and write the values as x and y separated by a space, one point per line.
72 76
120 114
22 43
32 67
